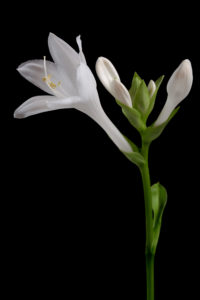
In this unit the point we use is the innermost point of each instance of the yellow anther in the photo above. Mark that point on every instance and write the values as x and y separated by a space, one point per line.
47 78
52 85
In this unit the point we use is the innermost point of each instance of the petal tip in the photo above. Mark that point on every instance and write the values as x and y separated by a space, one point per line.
18 69
187 61
51 34
79 42
18 115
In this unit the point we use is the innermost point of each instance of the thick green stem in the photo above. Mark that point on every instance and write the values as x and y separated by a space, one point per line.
149 226
150 276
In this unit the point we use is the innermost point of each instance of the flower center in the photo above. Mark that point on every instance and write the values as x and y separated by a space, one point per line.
47 79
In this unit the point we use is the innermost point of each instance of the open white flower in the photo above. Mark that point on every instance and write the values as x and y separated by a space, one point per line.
110 79
70 84
178 87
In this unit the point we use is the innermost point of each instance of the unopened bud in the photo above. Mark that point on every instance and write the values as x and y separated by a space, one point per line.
120 92
111 81
178 87
151 87
180 83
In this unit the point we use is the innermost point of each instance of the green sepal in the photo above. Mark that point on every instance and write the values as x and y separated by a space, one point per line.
133 145
142 99
153 132
135 156
133 116
159 200
153 98
135 85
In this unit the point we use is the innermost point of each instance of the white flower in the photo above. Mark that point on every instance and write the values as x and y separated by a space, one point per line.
111 81
178 87
70 84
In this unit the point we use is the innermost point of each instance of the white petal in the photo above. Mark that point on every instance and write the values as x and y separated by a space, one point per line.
180 83
40 104
106 72
33 71
120 92
81 55
86 83
63 55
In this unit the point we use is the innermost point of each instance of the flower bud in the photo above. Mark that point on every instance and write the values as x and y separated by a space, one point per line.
178 87
180 83
151 87
120 92
111 81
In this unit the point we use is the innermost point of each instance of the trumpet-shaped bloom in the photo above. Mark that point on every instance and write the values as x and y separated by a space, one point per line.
110 79
70 83
178 87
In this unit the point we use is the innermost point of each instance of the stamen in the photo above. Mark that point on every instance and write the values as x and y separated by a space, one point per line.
50 83
45 67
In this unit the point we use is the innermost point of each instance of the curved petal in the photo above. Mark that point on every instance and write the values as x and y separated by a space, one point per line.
63 55
33 71
86 83
81 55
40 104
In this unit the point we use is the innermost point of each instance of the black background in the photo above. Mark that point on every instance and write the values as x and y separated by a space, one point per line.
74 214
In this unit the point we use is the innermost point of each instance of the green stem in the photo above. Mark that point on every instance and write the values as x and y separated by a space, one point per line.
149 223
150 276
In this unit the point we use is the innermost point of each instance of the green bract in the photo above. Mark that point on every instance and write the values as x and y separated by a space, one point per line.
153 132
133 116
142 99
135 85
159 200
135 157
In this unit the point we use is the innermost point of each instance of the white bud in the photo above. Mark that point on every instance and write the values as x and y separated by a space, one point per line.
120 92
151 87
180 83
111 81
178 87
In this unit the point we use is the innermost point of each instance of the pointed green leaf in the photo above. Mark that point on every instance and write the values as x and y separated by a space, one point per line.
142 99
153 98
135 85
135 157
153 132
133 116
159 200
133 146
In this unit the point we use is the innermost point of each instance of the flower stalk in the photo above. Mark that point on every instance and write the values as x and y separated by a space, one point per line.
149 222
